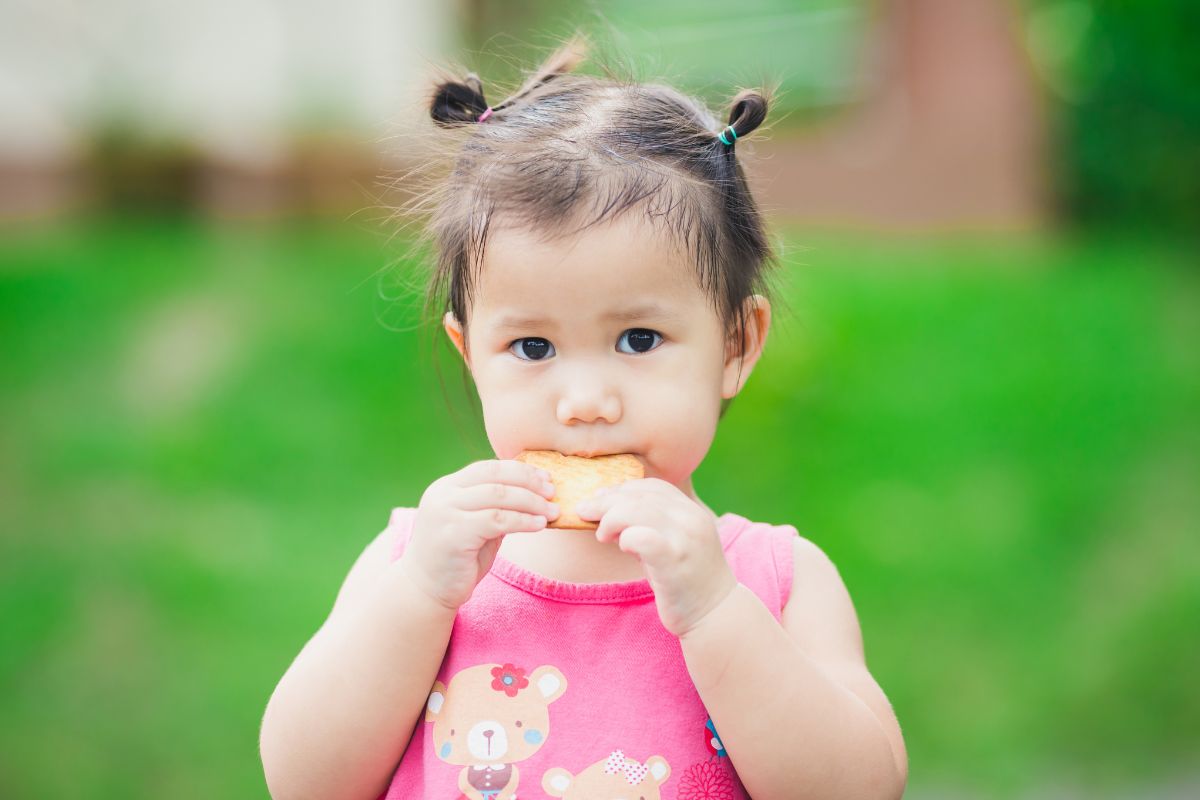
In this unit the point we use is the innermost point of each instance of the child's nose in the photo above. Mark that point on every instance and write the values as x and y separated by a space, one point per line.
588 399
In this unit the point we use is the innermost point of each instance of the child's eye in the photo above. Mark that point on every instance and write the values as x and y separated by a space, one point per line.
640 339
534 349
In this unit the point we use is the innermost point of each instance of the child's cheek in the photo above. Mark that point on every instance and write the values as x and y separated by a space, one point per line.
512 425
679 445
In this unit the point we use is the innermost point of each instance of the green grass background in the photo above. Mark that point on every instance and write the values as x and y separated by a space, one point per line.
997 440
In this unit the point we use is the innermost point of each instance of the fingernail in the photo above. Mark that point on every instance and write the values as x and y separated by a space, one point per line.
552 511
548 489
545 475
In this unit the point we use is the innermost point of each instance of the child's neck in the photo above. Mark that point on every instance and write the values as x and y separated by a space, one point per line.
571 556
575 556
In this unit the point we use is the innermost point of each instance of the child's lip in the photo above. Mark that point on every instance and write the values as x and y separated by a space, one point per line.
598 453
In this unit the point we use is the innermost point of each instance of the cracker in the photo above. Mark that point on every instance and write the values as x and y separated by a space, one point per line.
576 478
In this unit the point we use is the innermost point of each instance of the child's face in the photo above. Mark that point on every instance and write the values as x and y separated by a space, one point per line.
567 356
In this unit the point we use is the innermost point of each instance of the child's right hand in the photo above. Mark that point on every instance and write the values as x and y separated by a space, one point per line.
461 520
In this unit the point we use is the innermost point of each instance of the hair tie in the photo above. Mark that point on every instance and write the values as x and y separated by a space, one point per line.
724 141
485 114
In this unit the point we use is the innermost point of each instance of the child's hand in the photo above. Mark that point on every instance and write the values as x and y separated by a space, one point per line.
676 540
461 520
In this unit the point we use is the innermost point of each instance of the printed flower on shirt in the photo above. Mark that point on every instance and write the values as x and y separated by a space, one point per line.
509 679
707 781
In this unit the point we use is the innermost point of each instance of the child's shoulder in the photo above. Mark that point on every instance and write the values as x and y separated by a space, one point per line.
769 558
782 540
369 566
805 573
819 613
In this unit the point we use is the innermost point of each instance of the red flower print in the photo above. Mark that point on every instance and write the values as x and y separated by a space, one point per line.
509 679
708 780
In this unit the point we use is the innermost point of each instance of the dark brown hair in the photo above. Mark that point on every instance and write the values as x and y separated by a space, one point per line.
568 151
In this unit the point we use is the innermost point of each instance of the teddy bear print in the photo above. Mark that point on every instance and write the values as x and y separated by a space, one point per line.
614 778
490 717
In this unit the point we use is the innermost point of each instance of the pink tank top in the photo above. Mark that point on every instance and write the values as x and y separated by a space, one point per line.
553 689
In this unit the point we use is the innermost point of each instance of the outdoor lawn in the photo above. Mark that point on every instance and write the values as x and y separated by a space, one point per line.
996 439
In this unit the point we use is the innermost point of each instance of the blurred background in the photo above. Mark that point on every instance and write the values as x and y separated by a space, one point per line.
981 396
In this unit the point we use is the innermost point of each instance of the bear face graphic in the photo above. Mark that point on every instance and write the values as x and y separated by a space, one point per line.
615 778
493 714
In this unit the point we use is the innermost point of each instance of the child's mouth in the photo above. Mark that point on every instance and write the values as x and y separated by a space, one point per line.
596 453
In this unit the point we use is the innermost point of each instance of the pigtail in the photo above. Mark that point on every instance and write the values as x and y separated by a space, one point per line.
748 112
458 102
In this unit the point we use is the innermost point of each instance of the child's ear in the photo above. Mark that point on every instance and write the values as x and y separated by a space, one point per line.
454 330
740 357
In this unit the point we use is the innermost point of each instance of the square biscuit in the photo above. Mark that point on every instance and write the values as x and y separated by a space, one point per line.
576 478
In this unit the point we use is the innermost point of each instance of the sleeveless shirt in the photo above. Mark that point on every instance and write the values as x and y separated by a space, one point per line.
555 689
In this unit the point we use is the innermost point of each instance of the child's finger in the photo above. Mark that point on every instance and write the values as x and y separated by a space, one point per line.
613 521
595 506
495 522
499 495
648 544
514 473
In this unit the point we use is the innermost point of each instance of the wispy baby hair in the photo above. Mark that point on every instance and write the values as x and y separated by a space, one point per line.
569 151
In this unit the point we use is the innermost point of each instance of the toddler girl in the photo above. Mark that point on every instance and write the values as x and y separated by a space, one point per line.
601 260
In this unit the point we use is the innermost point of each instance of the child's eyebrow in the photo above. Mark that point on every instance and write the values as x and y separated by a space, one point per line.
515 323
644 311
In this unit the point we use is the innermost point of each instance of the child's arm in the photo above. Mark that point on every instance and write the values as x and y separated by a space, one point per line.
794 704
342 715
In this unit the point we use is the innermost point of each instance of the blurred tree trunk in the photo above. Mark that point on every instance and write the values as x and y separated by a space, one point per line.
950 132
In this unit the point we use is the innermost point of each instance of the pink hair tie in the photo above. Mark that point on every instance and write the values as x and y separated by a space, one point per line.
485 115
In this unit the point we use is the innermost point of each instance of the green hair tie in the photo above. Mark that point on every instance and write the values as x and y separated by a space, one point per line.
725 141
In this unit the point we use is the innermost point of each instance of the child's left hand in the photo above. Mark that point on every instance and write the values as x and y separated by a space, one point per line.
676 540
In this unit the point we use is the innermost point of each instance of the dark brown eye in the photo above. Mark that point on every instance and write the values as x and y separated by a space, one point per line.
532 349
641 340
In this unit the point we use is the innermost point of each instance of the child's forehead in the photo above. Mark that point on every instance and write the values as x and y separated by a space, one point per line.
617 266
